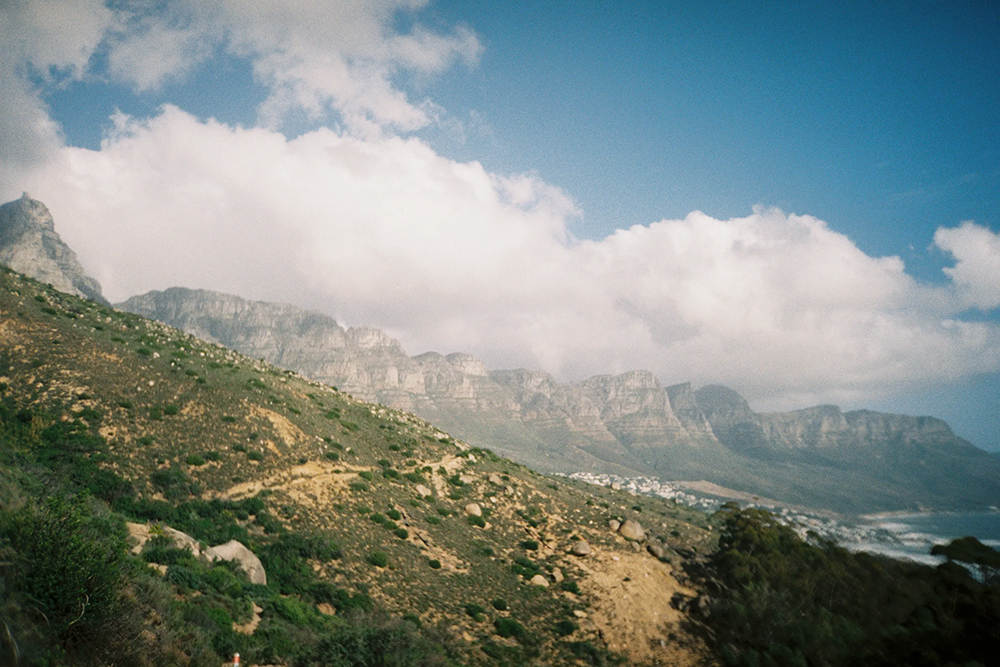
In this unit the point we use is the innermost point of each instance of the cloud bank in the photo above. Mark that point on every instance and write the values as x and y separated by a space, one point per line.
376 228
448 256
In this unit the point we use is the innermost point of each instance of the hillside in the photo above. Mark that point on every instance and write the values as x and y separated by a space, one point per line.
855 462
372 524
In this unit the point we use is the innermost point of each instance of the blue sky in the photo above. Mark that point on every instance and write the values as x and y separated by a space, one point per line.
556 152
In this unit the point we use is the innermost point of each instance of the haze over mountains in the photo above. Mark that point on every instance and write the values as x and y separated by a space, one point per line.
627 424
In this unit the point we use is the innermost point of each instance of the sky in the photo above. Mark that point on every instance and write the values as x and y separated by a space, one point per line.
796 200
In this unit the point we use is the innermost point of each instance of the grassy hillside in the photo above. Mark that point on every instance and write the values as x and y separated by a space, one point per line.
385 540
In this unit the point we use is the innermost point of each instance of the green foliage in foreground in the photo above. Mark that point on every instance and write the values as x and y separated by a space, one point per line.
779 600
72 594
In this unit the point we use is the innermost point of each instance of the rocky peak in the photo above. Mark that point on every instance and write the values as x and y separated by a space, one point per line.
30 245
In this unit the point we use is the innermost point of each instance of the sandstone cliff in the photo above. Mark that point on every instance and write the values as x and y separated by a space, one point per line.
30 245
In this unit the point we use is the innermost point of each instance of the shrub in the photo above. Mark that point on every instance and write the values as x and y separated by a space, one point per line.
433 520
195 460
570 586
414 477
394 448
565 627
499 604
255 455
142 351
394 515
443 511
332 414
477 521
125 404
377 517
350 426
529 545
229 419
434 563
476 612
358 486
378 558
333 456
212 456
171 410
508 627
401 533
366 475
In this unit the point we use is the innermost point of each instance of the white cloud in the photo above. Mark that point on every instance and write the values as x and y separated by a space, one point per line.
52 41
977 270
451 257
314 56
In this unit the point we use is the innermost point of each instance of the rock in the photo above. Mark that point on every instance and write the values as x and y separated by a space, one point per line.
30 245
508 490
233 550
423 491
183 540
614 525
580 548
539 580
631 530
495 479
579 613
656 551
557 575
466 479
473 509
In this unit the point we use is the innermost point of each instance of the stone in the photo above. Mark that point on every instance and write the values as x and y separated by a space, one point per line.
423 491
508 490
558 575
183 540
614 525
539 580
248 561
473 509
656 551
579 613
580 548
632 530
495 479
466 479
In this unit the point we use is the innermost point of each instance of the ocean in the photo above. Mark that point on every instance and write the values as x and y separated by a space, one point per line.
911 536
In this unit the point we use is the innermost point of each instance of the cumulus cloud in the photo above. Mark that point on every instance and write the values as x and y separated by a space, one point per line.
977 269
50 42
314 56
448 256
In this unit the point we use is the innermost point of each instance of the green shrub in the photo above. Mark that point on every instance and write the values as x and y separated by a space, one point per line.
255 455
433 520
565 628
229 419
434 563
508 627
414 477
333 456
332 414
401 533
378 517
378 558
570 586
195 460
142 351
366 475
477 521
394 514
350 426
499 604
443 511
529 545
212 456
125 404
394 448
358 486
171 409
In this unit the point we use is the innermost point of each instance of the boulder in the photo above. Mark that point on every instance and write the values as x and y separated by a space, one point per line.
657 551
614 525
539 580
182 540
473 509
557 575
632 530
580 548
233 550
495 479
423 491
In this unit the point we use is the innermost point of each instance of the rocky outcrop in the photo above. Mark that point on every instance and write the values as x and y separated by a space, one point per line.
30 245
248 561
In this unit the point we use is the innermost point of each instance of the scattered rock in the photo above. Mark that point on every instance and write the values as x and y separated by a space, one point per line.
473 509
579 613
423 491
466 479
632 530
233 550
614 525
495 479
509 490
656 551
557 575
581 548
539 580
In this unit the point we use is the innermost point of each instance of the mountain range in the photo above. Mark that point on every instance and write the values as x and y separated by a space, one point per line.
627 424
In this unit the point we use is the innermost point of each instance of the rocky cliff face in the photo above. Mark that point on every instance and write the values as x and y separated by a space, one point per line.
625 423
30 245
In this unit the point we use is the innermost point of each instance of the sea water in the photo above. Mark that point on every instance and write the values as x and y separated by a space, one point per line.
911 536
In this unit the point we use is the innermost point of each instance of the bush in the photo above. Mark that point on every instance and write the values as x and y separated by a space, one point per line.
194 460
333 456
378 558
508 627
499 604
570 586
366 475
171 410
565 627
255 455
477 521
433 520
434 563
394 514
401 533
529 545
